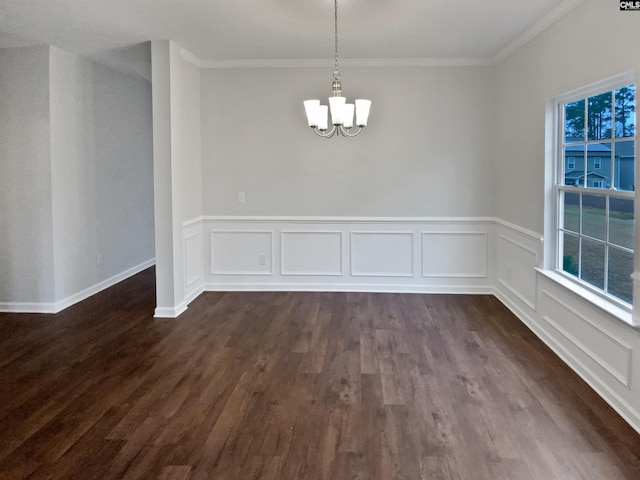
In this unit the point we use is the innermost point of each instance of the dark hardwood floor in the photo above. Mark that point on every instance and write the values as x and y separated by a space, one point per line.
297 386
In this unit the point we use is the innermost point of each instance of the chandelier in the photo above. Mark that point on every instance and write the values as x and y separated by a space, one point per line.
341 112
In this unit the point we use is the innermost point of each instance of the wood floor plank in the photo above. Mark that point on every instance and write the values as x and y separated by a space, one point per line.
297 386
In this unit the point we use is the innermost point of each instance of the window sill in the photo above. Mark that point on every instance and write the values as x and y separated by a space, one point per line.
610 308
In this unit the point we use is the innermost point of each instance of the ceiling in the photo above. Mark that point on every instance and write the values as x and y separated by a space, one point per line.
258 30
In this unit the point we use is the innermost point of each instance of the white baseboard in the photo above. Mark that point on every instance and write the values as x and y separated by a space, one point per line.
18 307
170 312
190 297
27 307
515 309
348 287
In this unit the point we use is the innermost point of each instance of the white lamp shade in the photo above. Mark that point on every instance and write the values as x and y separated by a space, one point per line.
362 112
311 108
337 109
323 117
348 115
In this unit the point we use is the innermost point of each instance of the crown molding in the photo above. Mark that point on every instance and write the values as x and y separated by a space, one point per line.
190 57
267 63
552 17
346 62
536 29
417 62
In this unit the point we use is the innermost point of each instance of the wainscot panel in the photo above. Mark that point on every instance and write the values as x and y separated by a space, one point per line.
193 261
241 252
518 254
345 254
581 337
382 254
455 254
311 253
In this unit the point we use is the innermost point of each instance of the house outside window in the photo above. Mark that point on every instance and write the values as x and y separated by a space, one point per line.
594 189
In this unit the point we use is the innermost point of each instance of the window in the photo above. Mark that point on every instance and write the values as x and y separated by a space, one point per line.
595 188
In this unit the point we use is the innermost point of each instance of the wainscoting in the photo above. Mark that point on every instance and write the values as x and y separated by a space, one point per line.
324 254
421 255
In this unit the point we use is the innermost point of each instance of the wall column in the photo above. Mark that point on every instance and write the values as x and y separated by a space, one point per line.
170 301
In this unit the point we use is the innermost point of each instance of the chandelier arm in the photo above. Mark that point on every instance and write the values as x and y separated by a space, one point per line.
346 132
328 134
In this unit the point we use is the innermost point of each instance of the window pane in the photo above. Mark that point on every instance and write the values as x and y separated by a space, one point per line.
592 263
574 121
570 253
599 165
599 116
593 216
574 165
571 211
625 108
620 270
621 221
596 224
625 160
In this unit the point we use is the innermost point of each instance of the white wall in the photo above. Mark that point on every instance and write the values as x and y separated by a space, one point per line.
102 172
426 151
26 250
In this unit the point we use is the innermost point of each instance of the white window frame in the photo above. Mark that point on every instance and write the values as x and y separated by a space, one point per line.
597 161
554 234
571 163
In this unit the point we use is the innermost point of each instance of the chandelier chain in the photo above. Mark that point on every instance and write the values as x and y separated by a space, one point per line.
336 31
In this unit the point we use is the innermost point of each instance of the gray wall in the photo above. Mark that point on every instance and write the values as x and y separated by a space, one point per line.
102 169
77 174
187 135
426 151
26 232
593 42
